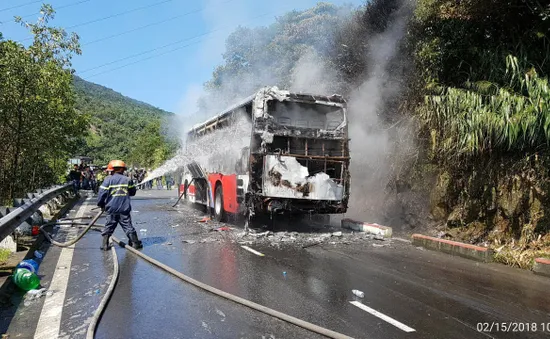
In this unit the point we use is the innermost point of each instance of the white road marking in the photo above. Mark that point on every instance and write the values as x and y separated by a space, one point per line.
49 322
383 317
252 251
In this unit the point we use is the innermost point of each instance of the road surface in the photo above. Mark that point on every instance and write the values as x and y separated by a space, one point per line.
408 292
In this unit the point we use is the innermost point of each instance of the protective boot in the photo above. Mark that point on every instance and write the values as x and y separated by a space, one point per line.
134 241
105 246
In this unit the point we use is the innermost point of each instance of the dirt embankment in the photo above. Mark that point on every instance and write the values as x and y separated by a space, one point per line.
501 202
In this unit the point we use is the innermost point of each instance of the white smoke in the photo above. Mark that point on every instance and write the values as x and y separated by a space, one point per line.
218 151
312 75
373 146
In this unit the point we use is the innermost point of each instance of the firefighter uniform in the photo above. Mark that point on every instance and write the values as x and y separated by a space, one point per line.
114 198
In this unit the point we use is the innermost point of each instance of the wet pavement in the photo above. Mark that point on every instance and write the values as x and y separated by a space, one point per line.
306 273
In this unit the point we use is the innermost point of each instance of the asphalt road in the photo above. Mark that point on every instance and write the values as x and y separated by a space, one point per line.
409 293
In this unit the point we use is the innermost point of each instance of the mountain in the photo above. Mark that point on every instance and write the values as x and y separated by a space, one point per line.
122 127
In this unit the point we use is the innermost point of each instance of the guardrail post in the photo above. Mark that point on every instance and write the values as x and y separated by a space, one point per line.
4 211
9 243
29 212
24 228
18 202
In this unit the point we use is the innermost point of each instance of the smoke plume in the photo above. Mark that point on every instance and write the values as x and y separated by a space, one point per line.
377 150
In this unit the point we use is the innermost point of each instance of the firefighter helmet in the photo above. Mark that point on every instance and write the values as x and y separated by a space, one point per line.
110 167
118 164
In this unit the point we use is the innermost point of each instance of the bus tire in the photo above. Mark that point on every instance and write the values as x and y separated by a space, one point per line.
219 212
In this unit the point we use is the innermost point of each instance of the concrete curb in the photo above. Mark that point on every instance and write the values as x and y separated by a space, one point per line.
453 248
542 266
360 226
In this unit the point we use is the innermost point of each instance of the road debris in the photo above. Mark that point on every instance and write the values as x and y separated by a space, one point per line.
223 228
358 293
221 314
208 240
251 250
379 237
205 220
206 327
337 234
33 295
189 241
263 234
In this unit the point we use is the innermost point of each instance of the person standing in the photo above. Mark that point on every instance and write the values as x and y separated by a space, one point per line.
114 198
168 182
74 176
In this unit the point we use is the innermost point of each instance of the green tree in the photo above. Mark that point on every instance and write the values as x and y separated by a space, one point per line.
38 125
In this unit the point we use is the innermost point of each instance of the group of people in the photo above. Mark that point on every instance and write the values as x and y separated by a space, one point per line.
160 182
83 177
114 190
138 174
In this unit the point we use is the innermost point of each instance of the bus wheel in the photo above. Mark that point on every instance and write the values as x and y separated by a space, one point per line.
219 213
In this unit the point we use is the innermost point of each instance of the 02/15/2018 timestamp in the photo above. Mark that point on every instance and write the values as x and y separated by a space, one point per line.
490 327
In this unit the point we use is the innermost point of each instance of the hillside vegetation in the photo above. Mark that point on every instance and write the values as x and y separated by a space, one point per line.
121 127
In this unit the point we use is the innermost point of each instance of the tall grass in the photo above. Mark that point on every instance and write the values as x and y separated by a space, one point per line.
486 118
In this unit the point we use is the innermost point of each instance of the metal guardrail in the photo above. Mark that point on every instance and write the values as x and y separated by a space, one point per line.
28 207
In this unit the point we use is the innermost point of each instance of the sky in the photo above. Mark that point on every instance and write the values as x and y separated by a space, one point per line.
157 51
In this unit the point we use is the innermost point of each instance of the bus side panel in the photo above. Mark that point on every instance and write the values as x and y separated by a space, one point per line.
190 189
212 180
229 184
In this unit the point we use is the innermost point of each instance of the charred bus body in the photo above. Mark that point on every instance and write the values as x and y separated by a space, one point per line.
296 160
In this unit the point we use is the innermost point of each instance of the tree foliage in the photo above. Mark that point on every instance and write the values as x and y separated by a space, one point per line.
489 119
484 69
39 127
262 56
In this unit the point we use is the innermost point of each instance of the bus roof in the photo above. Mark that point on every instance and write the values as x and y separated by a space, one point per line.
281 95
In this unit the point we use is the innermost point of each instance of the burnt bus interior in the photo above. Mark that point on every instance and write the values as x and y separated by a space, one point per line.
310 133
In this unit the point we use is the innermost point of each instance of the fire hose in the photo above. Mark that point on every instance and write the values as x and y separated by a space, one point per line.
244 302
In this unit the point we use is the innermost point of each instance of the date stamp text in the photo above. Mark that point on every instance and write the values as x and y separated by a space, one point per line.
495 327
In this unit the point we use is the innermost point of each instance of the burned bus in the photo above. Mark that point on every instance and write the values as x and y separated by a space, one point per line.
294 159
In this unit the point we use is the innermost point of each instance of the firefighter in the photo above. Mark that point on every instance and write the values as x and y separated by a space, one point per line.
114 198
